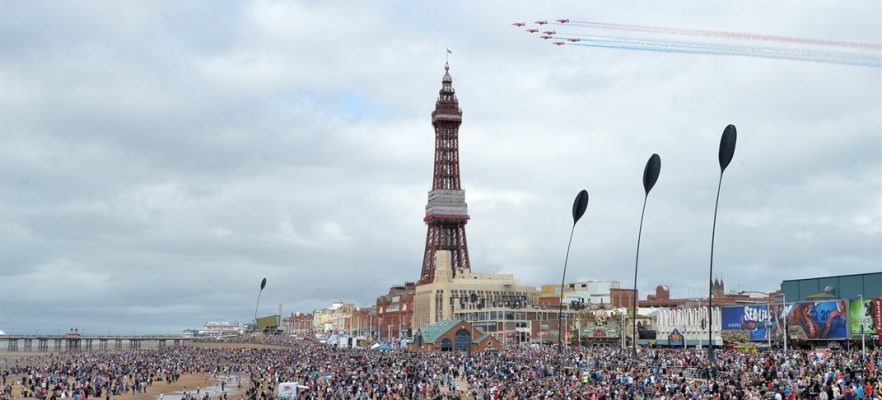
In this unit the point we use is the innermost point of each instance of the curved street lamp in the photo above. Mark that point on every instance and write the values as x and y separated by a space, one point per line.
727 150
580 204
650 176
262 285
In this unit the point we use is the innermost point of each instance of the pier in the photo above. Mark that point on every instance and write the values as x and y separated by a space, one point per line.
87 343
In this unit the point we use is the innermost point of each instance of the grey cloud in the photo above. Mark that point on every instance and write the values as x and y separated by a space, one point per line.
156 162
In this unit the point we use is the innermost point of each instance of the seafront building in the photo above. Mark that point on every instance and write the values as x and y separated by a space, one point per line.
394 312
300 324
467 293
335 318
584 292
453 335
221 328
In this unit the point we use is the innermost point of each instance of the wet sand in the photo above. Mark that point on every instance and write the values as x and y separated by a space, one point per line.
21 359
173 391
212 388
189 382
237 346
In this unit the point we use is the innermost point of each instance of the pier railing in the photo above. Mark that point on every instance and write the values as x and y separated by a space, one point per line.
78 343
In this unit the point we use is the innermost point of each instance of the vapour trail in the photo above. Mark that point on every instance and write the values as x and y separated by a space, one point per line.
728 49
731 52
723 34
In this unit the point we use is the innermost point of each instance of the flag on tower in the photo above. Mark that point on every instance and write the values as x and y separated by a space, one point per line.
449 52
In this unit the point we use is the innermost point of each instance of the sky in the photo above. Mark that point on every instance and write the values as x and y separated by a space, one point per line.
157 160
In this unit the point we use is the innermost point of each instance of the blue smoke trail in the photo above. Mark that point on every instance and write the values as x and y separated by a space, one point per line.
694 48
814 54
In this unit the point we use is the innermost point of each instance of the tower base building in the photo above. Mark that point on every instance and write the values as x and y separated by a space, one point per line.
447 294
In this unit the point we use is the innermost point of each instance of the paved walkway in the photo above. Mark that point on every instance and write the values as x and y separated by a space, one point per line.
462 385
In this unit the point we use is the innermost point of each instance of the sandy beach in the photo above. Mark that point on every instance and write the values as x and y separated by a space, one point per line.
200 345
187 382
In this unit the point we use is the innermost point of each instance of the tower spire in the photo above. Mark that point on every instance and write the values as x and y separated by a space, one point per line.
446 211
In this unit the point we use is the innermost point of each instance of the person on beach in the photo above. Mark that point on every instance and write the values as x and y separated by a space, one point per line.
513 373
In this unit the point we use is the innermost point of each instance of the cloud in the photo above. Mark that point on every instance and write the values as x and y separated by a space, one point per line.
157 162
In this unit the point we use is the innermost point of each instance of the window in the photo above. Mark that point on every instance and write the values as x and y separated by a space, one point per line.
463 341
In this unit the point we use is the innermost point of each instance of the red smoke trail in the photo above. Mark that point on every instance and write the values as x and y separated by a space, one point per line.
723 34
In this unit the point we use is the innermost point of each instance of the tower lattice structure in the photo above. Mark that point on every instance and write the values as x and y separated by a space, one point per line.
446 211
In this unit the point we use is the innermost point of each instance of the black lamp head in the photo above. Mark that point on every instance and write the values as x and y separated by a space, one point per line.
580 205
650 172
727 147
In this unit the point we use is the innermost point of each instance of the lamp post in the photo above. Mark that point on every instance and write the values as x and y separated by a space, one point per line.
769 324
262 285
863 321
580 204
650 176
727 150
684 337
784 317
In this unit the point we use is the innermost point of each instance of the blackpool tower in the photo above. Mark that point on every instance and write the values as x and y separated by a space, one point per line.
446 211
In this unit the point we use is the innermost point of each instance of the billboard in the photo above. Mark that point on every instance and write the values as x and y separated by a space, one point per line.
676 339
866 313
754 319
818 320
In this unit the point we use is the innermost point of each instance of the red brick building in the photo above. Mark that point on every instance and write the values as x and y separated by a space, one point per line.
453 335
394 312
549 301
661 298
300 324
621 298
364 322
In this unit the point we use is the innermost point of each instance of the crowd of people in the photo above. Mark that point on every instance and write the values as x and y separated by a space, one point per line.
95 375
519 373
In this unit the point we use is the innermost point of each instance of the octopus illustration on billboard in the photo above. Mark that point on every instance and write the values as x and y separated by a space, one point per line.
818 320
